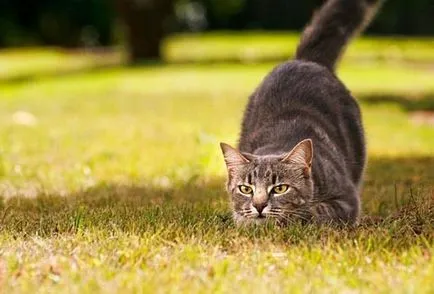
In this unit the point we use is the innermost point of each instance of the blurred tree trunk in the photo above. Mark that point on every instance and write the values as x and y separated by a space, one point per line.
144 21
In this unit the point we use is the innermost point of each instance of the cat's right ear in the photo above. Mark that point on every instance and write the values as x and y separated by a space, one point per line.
301 154
233 157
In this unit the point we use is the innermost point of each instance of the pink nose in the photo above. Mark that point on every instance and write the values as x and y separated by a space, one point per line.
260 206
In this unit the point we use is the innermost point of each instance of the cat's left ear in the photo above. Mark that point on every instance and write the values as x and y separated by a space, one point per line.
301 154
233 157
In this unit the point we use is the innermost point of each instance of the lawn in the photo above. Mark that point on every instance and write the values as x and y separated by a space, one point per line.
112 181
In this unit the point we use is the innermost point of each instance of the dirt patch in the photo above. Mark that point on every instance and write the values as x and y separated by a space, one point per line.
422 118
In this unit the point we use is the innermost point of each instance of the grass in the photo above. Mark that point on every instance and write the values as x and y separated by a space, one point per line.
112 181
254 46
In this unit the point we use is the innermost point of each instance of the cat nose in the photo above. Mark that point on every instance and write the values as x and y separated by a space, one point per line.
260 206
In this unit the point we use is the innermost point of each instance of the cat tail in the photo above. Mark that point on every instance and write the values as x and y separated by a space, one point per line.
332 27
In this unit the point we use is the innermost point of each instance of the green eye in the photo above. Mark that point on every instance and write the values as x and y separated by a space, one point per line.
245 189
280 189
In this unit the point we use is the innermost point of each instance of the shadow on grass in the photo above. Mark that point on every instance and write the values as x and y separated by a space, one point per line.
56 74
52 74
398 193
423 101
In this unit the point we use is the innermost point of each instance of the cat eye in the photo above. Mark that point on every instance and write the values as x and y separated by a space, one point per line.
280 189
245 189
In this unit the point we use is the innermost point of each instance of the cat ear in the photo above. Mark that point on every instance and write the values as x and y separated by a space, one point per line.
233 157
302 153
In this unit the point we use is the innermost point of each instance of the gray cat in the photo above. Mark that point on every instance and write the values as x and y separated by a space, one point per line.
301 152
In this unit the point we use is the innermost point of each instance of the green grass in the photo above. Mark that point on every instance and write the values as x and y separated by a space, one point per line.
254 46
112 181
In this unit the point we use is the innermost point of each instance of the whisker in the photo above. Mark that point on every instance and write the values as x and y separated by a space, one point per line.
321 199
274 215
291 215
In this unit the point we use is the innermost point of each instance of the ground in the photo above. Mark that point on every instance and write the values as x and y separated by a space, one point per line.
111 178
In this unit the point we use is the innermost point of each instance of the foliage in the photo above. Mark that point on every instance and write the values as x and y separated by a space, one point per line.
396 17
67 23
75 23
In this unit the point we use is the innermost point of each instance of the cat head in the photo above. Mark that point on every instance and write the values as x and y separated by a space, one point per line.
271 187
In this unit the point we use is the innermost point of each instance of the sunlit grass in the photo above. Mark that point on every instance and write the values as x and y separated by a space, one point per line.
112 181
250 47
29 63
256 46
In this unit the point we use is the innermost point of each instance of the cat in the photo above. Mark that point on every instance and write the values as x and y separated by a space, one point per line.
301 153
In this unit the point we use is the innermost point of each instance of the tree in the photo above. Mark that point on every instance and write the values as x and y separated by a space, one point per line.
144 21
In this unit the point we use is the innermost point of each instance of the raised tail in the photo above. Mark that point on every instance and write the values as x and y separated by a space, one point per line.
332 27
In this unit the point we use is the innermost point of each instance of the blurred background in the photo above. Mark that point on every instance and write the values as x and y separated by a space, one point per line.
141 25
142 91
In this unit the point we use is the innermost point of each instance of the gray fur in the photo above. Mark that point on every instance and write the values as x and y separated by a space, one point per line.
302 128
